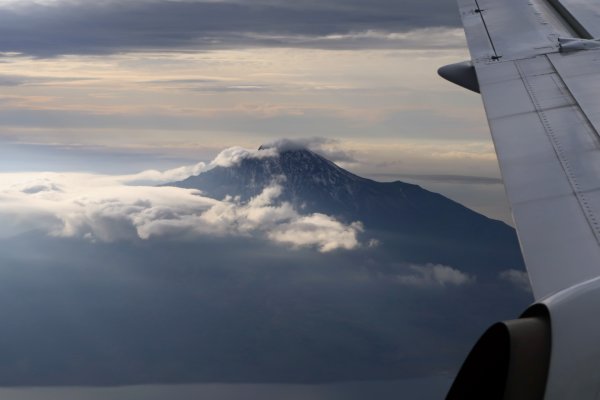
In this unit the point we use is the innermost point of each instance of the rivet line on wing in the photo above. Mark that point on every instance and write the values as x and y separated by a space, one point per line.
558 147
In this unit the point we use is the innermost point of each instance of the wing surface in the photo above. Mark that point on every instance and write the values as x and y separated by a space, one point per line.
543 109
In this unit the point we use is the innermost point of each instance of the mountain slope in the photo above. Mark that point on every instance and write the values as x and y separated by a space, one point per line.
413 224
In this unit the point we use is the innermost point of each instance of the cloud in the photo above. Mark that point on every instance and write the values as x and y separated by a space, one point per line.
418 38
296 144
24 80
50 28
235 155
108 208
326 147
158 177
39 186
520 279
435 275
318 230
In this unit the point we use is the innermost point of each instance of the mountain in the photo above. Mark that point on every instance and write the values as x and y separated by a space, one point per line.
411 223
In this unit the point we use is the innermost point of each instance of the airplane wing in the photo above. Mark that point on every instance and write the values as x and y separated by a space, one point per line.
538 71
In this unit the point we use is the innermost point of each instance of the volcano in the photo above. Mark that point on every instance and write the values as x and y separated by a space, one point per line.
412 224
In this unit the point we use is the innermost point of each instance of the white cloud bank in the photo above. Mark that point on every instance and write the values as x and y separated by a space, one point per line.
435 275
328 148
109 208
235 155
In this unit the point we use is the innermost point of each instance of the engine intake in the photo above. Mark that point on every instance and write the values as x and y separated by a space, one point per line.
509 362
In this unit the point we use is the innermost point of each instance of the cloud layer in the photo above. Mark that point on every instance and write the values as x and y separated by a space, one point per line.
112 208
47 28
519 279
435 275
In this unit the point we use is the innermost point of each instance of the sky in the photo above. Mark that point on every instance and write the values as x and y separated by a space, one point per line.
120 87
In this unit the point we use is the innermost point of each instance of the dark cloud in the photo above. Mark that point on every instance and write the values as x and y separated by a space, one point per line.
14 80
23 80
79 27
229 310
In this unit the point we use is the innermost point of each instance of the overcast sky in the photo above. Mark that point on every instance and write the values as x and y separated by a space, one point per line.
117 87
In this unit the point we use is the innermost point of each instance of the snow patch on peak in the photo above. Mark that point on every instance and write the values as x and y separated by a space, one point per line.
282 145
234 156
325 147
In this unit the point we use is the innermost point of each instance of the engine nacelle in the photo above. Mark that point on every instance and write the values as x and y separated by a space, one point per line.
575 363
552 352
510 361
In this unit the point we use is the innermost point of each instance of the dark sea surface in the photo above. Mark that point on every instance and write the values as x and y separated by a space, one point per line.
417 389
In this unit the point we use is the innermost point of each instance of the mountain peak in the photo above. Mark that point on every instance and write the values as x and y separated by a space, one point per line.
285 145
308 179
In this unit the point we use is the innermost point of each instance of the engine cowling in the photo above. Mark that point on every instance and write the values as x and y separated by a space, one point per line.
510 361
